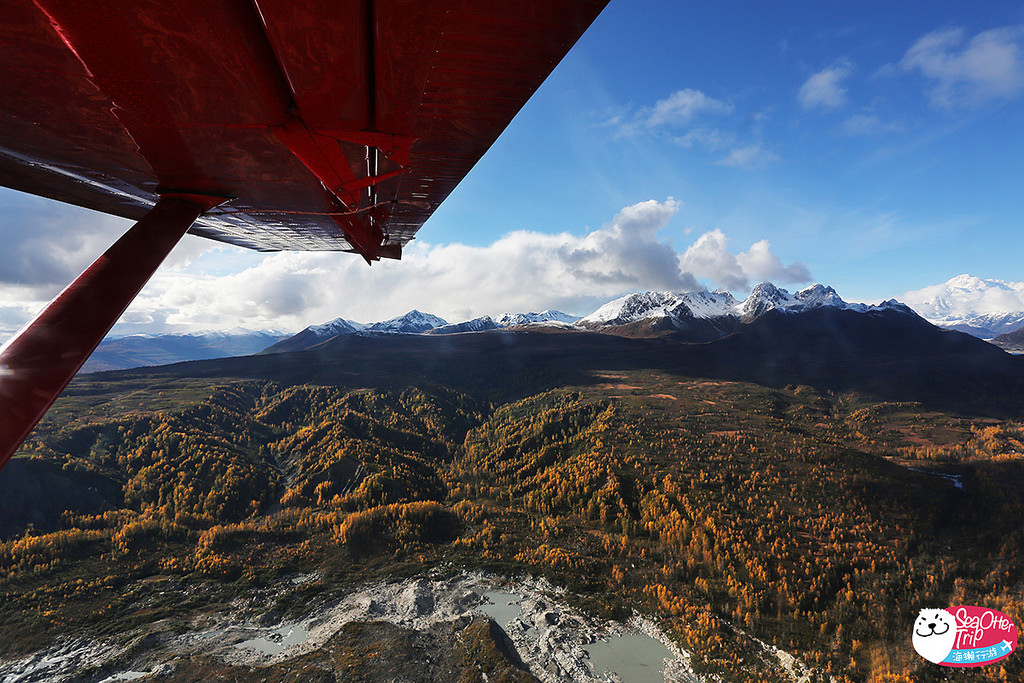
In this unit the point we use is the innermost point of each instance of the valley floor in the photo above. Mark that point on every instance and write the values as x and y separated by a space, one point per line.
522 629
742 525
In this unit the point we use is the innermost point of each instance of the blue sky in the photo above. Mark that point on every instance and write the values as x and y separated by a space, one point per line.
886 177
877 147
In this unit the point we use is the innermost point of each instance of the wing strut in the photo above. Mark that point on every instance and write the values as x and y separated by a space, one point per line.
41 359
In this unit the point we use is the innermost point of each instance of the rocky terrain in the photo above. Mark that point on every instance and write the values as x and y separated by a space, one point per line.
542 637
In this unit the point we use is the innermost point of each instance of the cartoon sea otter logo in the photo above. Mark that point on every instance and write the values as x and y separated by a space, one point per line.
934 634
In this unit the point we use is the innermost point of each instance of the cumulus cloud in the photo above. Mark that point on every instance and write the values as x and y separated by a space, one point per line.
710 258
969 72
824 89
46 244
522 270
760 264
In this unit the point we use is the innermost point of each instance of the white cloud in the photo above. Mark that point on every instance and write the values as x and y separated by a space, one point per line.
760 264
965 296
989 66
695 120
824 90
46 244
523 270
674 115
681 107
748 158
710 258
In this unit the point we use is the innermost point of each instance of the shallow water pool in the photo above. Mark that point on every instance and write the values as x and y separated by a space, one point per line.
635 657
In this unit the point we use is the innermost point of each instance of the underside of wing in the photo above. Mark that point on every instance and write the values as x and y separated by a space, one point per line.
327 125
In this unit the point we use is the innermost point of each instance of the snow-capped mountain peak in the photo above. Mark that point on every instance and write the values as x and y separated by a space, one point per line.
643 305
705 315
819 295
982 307
768 292
632 307
710 304
336 326
763 298
413 322
510 319
481 324
766 297
969 283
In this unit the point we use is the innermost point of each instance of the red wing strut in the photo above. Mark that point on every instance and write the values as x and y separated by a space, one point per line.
330 124
39 361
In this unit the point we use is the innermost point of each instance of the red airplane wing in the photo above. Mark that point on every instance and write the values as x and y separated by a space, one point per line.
285 124
332 125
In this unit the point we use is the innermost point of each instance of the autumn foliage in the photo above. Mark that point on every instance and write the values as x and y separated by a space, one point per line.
812 522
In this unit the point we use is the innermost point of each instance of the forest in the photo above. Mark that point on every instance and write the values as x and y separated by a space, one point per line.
815 521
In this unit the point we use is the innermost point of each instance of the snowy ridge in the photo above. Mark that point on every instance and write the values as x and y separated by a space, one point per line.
722 305
982 307
643 305
203 334
486 322
235 332
413 322
702 315
481 324
767 297
418 322
334 327
986 326
548 316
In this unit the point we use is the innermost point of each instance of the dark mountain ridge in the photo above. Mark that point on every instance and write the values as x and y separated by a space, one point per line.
313 335
884 352
1011 341
620 468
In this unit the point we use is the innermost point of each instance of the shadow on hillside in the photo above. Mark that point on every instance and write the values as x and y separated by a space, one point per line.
943 370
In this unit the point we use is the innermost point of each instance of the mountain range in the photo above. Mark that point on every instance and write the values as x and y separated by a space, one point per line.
603 453
814 427
772 337
414 322
885 351
138 350
980 307
690 317
704 316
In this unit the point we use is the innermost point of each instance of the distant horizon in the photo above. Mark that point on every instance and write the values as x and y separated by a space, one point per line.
923 312
871 147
